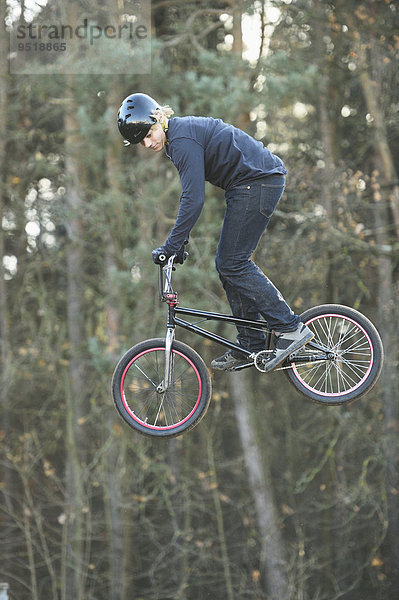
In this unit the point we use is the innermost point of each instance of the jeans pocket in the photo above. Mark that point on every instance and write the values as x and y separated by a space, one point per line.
269 198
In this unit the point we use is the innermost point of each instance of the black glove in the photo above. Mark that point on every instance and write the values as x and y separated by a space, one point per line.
181 254
160 255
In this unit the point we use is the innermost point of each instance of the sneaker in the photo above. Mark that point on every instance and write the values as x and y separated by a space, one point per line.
229 360
286 344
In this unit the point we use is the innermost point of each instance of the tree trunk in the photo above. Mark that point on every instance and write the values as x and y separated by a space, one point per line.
386 193
272 545
114 459
327 173
5 474
237 31
243 119
372 93
75 392
387 319
211 436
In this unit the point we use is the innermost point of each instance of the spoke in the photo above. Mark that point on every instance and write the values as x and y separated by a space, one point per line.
348 336
159 410
346 379
353 354
363 349
331 330
315 372
145 375
147 403
357 367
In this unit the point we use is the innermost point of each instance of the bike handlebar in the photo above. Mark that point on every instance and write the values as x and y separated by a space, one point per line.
165 261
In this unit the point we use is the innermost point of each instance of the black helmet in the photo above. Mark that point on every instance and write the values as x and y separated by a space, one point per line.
135 117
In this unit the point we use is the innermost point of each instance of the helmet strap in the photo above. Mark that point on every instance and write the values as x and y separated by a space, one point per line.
165 127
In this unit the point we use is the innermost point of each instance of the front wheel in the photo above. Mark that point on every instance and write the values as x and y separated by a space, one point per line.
140 397
353 350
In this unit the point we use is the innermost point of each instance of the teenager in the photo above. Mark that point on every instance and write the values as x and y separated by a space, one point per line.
206 149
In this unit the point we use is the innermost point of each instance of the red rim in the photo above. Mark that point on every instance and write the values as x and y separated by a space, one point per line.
131 413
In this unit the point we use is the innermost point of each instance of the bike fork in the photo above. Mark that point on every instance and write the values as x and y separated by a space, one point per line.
170 334
168 371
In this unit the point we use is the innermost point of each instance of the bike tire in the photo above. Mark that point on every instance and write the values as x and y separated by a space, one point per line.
136 381
358 351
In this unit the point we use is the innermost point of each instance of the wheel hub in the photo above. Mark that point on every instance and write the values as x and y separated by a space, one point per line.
160 389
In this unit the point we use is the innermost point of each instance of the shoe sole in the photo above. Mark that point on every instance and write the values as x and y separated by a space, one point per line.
282 358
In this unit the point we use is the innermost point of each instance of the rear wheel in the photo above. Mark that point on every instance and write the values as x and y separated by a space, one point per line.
139 395
354 350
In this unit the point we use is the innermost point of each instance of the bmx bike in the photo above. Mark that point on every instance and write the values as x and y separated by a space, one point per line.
162 388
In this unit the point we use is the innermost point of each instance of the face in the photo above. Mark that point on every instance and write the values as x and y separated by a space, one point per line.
155 138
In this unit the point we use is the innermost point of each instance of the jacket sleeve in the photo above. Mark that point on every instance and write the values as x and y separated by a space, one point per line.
188 157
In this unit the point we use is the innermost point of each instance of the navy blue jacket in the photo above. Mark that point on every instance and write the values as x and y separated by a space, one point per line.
206 149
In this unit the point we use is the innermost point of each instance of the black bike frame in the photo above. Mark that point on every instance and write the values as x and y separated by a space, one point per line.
171 298
179 310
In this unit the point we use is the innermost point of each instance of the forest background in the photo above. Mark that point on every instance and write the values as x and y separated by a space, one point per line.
270 497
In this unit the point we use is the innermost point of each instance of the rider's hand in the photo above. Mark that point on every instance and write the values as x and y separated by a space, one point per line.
181 254
160 256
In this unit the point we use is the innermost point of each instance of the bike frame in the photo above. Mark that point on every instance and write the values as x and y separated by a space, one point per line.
171 298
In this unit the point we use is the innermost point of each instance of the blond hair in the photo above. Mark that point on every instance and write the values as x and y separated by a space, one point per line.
163 113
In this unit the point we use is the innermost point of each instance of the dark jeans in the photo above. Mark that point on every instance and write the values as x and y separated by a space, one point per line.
249 292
